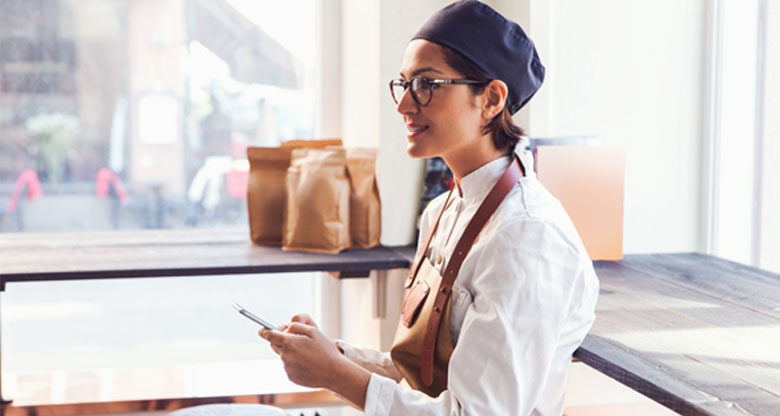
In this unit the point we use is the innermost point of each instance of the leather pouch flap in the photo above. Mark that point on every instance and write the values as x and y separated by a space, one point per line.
414 300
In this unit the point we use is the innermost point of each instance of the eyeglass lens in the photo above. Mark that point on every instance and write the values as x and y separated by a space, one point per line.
421 90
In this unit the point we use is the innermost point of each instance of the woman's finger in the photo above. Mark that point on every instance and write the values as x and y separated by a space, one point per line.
303 318
276 338
266 334
301 329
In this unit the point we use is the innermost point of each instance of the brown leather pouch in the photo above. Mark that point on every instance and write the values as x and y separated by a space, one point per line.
410 335
413 302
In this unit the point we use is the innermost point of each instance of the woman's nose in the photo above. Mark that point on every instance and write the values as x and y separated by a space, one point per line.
406 104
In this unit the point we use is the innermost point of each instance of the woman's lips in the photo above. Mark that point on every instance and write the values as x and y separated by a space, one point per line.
414 130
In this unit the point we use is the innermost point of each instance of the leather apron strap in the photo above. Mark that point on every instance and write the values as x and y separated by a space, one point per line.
500 190
421 253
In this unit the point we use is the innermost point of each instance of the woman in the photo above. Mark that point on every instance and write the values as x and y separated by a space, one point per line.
502 291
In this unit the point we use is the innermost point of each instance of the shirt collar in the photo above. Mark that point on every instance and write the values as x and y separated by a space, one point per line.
478 183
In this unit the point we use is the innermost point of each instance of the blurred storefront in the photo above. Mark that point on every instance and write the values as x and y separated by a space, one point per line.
150 90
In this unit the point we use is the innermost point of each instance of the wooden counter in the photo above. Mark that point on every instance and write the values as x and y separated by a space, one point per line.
698 334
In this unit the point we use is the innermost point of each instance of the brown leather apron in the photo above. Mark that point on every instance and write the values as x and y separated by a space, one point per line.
423 345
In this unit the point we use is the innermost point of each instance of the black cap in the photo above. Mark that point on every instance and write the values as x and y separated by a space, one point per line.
494 43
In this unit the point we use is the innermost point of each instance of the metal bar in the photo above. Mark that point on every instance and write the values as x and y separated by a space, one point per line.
758 150
710 155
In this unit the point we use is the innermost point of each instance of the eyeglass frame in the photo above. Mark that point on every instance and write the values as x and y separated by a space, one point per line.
432 82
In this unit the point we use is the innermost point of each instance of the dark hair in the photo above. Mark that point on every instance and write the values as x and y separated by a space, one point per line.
504 131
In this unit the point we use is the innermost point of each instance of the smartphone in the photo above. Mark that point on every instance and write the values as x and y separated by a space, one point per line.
255 318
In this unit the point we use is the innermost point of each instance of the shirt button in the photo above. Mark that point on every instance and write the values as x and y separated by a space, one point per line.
457 206
438 259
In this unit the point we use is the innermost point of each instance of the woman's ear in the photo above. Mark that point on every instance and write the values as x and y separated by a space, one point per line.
494 99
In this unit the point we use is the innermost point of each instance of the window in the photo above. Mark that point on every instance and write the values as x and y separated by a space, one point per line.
139 112
135 114
743 138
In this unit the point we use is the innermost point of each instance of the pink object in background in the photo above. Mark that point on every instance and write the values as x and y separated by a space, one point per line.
237 183
588 180
105 178
26 177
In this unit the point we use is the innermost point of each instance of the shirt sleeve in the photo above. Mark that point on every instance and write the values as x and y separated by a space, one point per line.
372 360
522 289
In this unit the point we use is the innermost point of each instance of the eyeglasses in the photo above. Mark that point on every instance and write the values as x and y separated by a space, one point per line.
422 88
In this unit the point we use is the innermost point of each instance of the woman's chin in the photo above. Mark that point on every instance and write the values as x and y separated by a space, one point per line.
416 152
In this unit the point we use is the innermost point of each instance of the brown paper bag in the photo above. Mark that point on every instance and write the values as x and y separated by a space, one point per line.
265 195
266 188
364 207
317 210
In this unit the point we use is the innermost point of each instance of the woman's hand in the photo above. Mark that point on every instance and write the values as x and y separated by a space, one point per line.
312 360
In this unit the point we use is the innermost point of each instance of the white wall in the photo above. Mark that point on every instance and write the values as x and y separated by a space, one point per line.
328 51
631 73
360 73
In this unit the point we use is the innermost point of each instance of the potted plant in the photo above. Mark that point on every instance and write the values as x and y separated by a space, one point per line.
53 133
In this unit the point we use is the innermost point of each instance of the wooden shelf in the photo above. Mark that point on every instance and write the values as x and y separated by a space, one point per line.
139 254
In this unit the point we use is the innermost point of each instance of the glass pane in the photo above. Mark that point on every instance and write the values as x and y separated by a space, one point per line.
146 338
136 114
127 114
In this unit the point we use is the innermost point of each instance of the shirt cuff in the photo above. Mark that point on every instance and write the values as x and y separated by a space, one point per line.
371 360
379 395
345 349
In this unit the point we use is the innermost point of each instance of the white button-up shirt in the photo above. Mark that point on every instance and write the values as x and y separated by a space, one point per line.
522 303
